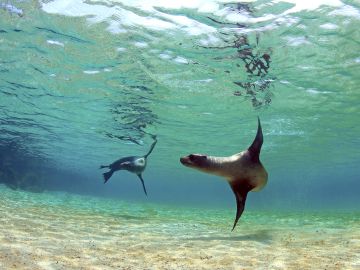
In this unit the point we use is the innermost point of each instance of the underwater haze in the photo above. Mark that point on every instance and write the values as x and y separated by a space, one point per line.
84 83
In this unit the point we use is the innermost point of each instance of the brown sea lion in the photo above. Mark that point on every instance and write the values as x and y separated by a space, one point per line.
243 171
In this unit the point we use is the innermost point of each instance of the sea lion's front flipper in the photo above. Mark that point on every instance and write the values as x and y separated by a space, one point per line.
240 192
151 147
143 184
255 147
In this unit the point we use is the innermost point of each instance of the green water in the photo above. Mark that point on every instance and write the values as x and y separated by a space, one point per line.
177 219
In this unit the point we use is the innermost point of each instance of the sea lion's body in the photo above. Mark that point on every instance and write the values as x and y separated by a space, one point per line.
243 171
133 164
238 168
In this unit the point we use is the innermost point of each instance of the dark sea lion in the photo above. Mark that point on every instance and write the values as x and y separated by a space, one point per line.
134 164
243 170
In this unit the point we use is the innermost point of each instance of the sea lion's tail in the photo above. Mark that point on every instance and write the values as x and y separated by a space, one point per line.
107 175
255 147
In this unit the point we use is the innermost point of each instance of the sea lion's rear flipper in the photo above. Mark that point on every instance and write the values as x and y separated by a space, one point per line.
107 175
240 192
143 184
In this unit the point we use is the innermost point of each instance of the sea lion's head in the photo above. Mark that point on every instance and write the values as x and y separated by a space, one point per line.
195 161
205 163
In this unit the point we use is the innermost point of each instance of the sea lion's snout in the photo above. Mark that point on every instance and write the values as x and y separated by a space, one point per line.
185 160
193 160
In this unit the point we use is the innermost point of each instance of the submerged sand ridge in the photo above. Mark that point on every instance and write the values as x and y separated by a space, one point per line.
63 231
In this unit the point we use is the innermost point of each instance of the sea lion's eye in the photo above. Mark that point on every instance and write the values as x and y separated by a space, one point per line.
196 157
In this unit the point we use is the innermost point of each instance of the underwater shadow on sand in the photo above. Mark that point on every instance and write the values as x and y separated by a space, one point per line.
132 217
262 236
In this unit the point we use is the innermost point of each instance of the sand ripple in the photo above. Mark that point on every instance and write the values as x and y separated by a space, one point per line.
50 231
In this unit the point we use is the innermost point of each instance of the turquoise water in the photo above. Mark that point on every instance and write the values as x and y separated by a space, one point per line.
83 83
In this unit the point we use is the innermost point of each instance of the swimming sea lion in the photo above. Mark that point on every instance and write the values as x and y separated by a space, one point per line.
243 170
134 164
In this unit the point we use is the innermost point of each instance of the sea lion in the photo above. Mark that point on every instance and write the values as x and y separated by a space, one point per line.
134 164
243 171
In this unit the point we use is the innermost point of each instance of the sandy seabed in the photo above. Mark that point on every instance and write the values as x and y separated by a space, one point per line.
72 232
